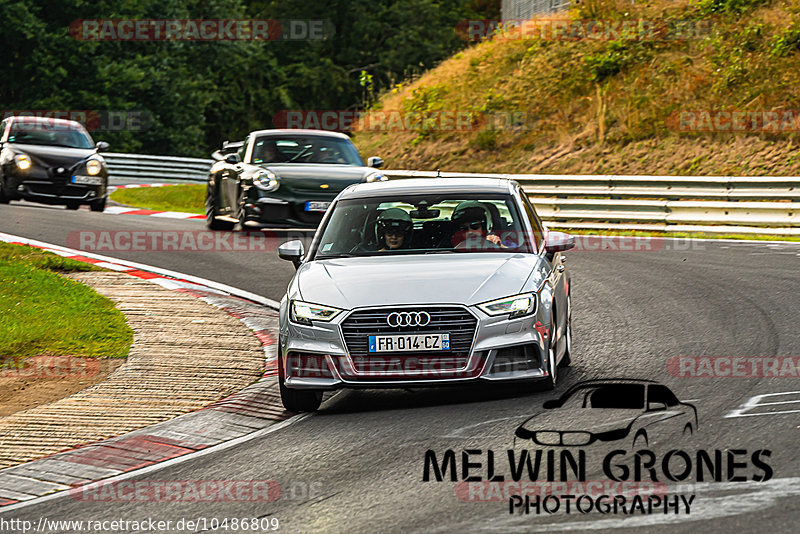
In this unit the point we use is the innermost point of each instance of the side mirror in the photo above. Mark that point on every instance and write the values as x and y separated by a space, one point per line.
552 403
291 251
558 242
102 146
656 406
232 158
374 161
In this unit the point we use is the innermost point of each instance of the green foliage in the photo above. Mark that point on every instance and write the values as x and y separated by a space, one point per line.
732 7
787 41
198 94
610 61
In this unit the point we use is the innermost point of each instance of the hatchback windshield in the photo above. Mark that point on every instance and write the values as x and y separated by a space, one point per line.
422 225
305 149
49 133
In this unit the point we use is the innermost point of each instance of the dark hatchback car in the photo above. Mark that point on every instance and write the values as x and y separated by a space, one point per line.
284 178
52 161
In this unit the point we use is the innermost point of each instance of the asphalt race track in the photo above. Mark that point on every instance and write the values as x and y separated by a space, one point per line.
358 464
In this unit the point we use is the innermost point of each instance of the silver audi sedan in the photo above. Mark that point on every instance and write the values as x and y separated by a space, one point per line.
424 282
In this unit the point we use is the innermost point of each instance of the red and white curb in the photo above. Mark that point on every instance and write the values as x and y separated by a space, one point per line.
120 210
250 413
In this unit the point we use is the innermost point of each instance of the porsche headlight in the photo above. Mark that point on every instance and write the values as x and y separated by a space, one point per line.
93 167
516 306
375 177
23 162
266 181
304 312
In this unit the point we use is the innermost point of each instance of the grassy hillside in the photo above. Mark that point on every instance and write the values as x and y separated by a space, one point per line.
613 106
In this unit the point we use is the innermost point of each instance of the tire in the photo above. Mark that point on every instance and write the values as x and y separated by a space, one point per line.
240 215
73 205
552 368
211 211
98 205
566 359
3 197
300 400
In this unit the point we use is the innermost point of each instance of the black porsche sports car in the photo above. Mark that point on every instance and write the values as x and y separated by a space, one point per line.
52 161
284 178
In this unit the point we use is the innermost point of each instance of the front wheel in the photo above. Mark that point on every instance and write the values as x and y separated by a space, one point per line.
300 400
98 205
211 211
552 368
566 359
3 197
73 205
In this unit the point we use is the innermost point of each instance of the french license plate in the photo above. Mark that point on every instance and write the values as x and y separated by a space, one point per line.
87 180
409 343
317 206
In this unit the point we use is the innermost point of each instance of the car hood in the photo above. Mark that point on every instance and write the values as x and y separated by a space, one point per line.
582 419
312 176
457 278
53 156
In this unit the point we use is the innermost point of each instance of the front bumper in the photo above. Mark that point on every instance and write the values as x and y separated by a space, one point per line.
317 357
284 207
38 187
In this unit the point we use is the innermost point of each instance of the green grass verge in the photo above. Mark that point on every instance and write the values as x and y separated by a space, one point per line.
188 198
44 313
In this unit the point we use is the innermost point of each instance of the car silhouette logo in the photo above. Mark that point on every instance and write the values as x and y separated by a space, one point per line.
610 410
396 319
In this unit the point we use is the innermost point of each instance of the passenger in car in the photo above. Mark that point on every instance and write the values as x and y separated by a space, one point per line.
471 228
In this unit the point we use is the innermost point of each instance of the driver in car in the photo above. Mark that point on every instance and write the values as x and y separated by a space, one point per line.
393 229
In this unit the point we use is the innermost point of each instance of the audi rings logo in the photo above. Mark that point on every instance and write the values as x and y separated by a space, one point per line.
396 319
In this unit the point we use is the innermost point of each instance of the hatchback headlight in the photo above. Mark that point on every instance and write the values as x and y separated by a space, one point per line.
516 306
93 167
376 177
304 312
266 181
23 161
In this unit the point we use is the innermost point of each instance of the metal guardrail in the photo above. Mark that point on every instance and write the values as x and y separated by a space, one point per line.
156 168
517 10
710 204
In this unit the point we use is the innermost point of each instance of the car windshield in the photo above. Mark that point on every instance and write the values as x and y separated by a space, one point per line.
305 149
619 396
423 224
42 132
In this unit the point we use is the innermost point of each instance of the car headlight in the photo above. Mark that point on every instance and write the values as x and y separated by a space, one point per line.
93 167
516 306
304 312
23 162
375 177
266 181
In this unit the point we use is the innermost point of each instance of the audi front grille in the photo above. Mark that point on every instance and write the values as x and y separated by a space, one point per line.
454 320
